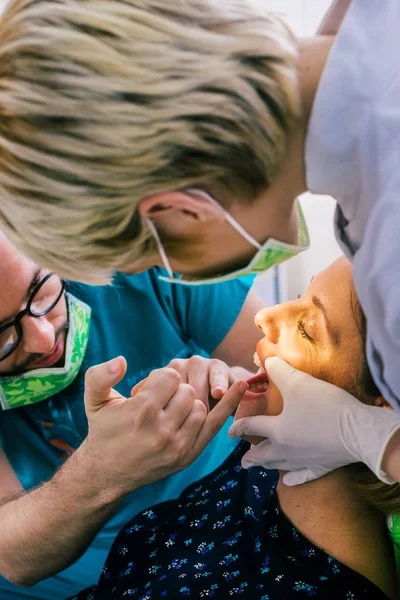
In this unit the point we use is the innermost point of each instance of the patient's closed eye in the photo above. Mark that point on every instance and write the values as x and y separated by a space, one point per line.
303 331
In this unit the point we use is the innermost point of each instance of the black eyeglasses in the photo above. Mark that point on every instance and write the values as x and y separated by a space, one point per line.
42 301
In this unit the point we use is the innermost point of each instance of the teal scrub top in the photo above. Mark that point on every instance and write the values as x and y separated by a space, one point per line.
150 322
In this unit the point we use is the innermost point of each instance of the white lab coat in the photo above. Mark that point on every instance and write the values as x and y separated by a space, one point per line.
353 154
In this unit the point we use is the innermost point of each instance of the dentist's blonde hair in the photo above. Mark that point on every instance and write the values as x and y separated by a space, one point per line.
106 102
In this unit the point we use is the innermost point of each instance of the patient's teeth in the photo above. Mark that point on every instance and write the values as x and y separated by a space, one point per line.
258 387
257 360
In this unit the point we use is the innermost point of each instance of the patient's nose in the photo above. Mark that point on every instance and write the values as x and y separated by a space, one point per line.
267 320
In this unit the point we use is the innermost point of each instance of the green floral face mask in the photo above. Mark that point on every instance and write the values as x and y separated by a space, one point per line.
37 385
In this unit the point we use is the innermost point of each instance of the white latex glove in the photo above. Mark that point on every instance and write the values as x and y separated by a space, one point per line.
320 429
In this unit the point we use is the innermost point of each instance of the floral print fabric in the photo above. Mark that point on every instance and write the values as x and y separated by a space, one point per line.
225 537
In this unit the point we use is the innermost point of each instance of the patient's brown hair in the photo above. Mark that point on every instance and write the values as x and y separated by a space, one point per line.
384 498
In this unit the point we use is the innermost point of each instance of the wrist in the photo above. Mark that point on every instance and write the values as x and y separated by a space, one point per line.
391 457
93 482
377 434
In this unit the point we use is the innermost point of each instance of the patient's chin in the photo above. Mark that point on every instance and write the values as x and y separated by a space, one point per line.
252 405
253 439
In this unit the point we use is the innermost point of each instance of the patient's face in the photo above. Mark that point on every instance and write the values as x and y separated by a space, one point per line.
317 333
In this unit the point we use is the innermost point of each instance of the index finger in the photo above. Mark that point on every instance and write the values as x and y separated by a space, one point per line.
138 387
159 387
217 418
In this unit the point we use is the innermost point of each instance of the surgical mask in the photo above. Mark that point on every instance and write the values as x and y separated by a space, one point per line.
40 384
271 253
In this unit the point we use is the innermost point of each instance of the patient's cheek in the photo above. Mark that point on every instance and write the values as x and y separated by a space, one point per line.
275 400
270 403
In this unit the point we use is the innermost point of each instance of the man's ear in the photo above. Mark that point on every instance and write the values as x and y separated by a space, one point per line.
179 205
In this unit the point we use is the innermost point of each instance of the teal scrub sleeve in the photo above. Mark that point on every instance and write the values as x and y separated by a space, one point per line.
208 312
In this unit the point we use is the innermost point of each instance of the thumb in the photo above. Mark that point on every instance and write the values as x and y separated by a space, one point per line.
264 454
259 426
100 379
282 374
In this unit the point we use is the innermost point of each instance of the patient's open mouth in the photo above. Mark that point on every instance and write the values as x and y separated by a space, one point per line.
259 383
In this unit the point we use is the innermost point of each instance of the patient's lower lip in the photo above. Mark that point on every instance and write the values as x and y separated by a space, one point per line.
252 395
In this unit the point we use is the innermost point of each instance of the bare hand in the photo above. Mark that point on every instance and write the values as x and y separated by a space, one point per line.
160 430
211 378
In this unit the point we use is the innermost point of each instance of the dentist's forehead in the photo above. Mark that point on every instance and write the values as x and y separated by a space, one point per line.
10 257
16 272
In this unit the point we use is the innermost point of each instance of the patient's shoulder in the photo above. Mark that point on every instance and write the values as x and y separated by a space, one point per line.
331 516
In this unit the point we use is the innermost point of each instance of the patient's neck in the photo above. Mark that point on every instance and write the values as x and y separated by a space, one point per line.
329 503
332 491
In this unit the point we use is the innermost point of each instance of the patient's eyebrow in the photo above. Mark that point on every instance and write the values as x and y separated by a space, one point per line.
333 332
34 281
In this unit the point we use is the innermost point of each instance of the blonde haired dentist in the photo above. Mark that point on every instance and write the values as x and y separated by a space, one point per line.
352 153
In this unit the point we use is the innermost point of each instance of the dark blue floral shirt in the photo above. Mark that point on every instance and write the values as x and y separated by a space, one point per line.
225 537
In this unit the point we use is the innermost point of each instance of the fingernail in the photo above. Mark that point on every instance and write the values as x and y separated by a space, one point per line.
113 366
243 387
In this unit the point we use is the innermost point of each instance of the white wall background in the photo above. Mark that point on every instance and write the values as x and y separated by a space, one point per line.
294 276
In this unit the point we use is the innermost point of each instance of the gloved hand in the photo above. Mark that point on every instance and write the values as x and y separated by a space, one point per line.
320 429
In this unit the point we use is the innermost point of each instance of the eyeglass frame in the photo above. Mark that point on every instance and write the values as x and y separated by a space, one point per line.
27 311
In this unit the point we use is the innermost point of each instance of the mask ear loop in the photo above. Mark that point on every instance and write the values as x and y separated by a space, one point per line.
161 250
228 217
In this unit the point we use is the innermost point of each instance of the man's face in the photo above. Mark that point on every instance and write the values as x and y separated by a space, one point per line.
43 338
